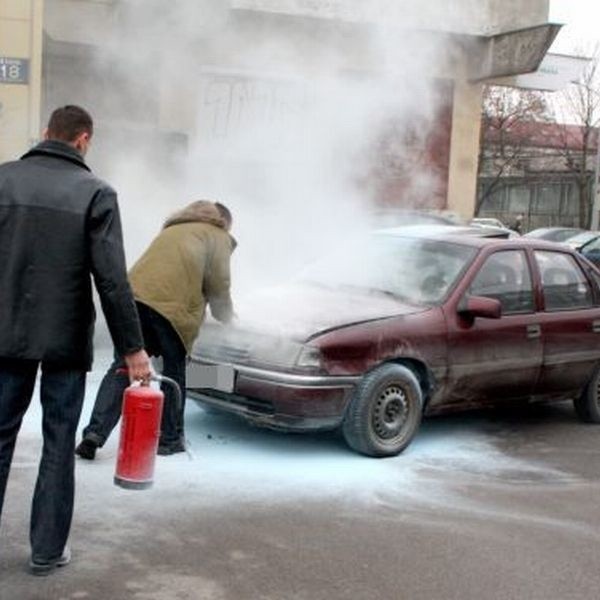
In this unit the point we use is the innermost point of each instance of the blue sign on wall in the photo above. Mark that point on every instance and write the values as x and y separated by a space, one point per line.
14 70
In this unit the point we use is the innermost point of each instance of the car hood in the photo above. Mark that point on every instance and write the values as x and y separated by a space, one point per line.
278 320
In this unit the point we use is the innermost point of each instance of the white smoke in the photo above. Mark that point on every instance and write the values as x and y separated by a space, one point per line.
291 135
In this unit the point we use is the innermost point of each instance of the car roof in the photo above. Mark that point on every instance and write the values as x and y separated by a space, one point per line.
445 231
468 236
408 216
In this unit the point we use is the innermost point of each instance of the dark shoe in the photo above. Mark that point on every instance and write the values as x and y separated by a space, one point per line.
42 568
86 449
172 448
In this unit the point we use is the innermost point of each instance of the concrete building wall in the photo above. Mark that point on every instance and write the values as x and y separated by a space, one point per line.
163 104
79 21
472 17
20 38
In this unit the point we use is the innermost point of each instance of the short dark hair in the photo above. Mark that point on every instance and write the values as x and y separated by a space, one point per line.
225 213
68 122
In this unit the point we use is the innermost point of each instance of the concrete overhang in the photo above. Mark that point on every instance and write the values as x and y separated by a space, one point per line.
513 53
490 44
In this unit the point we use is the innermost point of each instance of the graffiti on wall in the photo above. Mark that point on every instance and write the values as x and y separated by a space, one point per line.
233 104
408 160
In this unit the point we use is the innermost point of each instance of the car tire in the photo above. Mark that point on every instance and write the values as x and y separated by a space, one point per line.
385 411
587 406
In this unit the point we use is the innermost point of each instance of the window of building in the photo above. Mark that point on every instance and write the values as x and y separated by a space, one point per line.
570 200
519 196
496 200
547 199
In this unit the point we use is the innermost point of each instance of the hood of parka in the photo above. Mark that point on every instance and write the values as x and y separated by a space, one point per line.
201 211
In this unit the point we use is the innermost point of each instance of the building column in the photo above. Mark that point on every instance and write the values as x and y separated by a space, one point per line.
21 36
464 148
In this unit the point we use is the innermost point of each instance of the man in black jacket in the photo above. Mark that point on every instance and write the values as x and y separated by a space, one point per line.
59 225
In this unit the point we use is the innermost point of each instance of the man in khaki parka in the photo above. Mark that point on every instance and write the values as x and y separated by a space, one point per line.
185 268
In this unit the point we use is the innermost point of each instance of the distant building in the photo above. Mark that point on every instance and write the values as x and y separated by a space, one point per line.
541 184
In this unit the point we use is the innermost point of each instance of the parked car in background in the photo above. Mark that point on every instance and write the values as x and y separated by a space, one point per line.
580 239
488 222
399 217
587 243
591 250
554 234
404 323
469 230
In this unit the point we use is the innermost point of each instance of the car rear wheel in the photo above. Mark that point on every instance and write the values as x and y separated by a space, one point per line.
385 411
587 406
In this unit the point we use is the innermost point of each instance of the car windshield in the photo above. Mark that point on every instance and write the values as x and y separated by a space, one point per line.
415 270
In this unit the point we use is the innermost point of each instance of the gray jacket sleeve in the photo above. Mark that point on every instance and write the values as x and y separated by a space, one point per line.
110 272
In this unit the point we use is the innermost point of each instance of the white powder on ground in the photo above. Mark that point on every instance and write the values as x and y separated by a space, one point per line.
230 462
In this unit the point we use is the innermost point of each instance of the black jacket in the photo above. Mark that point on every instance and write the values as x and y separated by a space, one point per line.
60 225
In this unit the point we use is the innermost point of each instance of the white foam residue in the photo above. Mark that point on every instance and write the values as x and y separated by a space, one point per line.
229 462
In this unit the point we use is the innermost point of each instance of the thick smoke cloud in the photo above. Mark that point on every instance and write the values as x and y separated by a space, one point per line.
286 124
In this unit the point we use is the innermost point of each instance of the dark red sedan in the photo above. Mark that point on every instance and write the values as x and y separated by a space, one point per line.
407 322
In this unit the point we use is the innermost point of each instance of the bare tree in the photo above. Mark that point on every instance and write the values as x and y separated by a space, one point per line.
581 106
503 146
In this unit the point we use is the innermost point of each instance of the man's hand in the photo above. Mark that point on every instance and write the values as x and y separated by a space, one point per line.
138 365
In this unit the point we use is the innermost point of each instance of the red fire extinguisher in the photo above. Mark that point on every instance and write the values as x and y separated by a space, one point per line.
140 430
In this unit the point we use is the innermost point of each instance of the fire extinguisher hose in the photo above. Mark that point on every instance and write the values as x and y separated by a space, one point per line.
174 385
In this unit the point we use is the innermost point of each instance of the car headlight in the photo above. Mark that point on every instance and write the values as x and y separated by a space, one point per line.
309 357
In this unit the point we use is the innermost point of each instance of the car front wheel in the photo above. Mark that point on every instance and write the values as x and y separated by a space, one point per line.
587 406
385 411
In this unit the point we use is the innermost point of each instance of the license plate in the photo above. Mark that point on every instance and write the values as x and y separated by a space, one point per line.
216 377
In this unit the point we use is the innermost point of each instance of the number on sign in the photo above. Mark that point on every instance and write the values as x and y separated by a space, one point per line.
14 70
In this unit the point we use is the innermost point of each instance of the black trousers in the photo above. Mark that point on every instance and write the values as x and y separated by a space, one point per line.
161 340
61 395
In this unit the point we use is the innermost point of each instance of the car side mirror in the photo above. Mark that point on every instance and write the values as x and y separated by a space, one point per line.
480 306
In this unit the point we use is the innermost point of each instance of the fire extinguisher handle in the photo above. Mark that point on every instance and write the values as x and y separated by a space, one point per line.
160 379
135 382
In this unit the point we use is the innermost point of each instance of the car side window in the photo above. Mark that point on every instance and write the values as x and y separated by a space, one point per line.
505 276
564 283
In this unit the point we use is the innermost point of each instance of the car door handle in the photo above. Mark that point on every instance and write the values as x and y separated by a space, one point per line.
596 326
533 331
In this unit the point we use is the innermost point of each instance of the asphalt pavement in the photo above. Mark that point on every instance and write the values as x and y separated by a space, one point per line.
484 506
